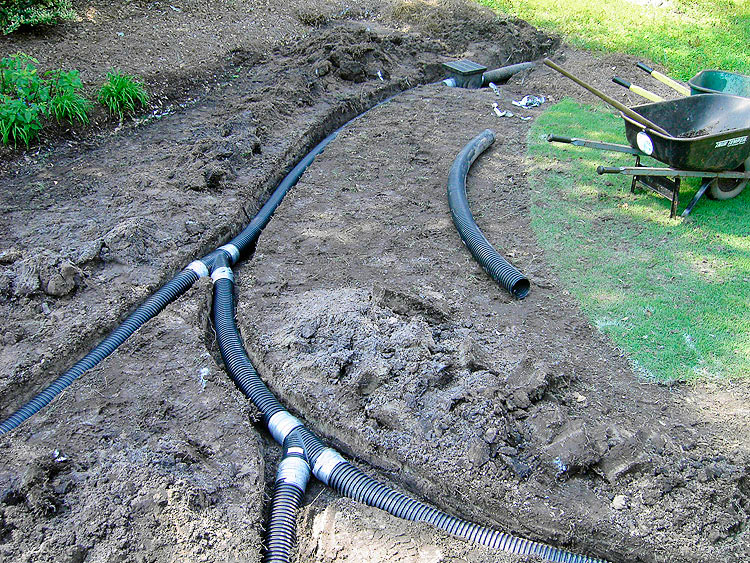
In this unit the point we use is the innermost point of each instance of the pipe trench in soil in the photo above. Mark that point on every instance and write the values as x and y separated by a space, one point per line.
304 452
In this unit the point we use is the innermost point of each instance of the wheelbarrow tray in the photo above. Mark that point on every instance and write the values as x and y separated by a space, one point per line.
720 82
706 132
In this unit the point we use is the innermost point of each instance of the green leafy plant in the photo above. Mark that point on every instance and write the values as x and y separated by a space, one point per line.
15 13
65 102
122 93
69 107
27 98
19 79
24 99
19 121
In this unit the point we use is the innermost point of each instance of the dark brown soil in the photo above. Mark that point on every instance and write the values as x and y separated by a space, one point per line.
361 307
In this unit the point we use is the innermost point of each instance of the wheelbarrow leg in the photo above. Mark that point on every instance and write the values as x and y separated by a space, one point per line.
675 198
698 195
635 178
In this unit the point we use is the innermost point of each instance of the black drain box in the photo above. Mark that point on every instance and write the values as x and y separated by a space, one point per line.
465 73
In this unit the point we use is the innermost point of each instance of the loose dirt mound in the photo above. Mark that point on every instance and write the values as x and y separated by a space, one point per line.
361 308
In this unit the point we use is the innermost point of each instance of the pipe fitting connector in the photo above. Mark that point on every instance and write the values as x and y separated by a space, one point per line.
232 251
325 464
295 471
199 268
281 424
222 273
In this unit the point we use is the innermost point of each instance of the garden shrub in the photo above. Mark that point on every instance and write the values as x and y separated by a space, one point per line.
15 13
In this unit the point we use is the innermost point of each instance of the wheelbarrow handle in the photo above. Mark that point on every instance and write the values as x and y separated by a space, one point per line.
611 101
552 138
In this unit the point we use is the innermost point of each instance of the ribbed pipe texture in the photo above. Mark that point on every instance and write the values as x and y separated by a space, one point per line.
490 259
311 443
240 369
351 482
282 526
249 234
148 310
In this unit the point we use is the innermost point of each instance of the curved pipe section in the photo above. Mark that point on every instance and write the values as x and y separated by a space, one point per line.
145 312
352 482
483 252
329 466
238 365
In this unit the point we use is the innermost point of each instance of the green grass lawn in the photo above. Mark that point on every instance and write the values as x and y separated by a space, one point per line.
684 35
673 294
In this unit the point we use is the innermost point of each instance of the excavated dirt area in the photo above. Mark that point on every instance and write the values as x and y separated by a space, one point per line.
361 307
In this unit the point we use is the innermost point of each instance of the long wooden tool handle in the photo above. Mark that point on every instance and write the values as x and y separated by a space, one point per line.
611 101
637 89
684 90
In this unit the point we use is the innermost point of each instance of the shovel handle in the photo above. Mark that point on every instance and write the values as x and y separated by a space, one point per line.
611 101
645 67
551 138
663 78
637 90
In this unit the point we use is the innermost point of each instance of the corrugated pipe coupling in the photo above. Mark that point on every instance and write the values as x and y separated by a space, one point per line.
199 268
222 273
294 470
325 464
232 251
281 424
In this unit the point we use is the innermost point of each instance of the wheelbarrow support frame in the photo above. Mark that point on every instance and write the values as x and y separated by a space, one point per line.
658 179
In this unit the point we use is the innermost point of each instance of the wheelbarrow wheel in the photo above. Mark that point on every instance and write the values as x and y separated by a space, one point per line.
727 188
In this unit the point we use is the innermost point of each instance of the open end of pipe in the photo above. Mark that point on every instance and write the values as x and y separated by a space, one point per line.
521 288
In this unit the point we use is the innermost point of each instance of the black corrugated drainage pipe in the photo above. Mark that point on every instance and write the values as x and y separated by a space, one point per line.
289 488
350 481
327 464
494 264
237 247
145 312
503 73
240 369
244 240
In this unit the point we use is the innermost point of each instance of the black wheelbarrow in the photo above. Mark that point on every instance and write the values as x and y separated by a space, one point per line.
705 136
